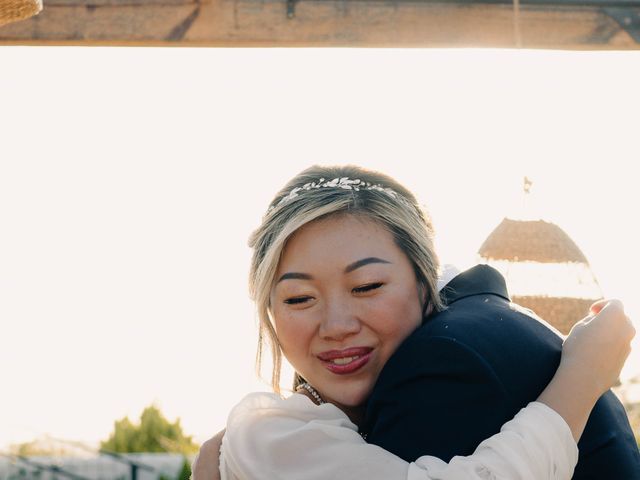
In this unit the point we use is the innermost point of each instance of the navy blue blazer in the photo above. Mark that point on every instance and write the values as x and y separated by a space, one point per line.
469 369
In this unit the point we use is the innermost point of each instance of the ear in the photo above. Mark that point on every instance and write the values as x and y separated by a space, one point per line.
427 306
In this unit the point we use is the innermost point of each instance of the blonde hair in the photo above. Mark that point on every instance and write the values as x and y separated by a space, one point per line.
400 214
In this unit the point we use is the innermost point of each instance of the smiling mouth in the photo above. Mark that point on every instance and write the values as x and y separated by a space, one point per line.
346 361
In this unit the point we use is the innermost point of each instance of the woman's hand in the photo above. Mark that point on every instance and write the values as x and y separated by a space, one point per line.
592 357
205 465
598 346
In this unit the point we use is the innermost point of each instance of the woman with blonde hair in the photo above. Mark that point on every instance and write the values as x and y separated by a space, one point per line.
343 272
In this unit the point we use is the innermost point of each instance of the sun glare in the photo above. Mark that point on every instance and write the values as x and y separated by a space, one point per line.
131 178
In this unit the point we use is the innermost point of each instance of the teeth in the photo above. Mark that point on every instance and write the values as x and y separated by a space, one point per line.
344 360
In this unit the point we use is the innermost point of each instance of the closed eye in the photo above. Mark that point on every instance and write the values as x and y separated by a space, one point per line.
362 289
296 300
367 288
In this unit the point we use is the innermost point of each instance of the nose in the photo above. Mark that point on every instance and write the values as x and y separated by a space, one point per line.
339 321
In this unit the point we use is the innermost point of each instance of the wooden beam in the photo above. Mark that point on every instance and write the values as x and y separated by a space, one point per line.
324 23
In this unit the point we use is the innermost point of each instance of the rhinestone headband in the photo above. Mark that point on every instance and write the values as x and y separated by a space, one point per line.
345 183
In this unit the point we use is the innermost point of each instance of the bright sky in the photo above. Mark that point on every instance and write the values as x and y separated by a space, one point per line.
131 178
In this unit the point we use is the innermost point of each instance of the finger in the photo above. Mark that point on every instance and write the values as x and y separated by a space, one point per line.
630 330
597 306
613 309
587 319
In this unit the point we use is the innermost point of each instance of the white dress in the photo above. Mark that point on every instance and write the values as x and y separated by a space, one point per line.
269 437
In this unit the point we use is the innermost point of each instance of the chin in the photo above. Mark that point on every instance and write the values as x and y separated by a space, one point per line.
353 398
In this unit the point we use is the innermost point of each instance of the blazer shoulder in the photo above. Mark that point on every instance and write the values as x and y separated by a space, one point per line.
483 334
437 356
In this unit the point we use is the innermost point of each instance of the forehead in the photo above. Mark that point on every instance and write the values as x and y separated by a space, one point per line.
338 239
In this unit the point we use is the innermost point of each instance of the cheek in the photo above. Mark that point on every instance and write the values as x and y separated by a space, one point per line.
398 317
292 331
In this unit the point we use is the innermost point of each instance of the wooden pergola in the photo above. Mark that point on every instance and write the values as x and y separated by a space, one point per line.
546 24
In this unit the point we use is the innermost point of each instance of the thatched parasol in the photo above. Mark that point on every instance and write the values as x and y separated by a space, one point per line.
14 10
532 241
545 270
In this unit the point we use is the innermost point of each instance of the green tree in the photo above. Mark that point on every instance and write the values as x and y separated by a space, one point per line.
43 446
185 472
154 433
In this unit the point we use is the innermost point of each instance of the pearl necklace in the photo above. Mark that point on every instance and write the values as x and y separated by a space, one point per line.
313 392
319 401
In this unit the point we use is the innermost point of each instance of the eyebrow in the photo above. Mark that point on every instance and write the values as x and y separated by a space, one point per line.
361 263
348 269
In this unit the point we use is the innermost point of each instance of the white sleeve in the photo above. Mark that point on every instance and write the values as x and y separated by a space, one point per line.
268 437
536 445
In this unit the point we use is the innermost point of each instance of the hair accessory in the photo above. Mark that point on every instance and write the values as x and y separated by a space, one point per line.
313 392
345 183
